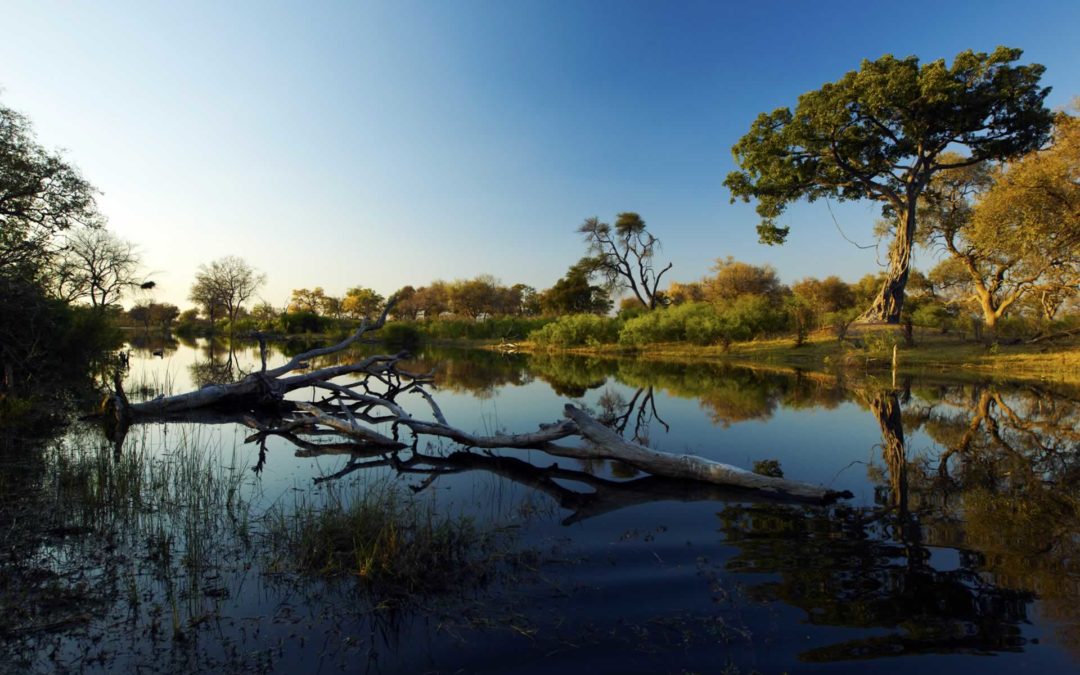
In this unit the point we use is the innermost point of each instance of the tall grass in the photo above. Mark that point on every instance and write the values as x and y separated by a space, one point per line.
142 533
397 546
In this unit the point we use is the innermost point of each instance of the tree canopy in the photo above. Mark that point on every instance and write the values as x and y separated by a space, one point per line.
1010 230
623 256
574 293
880 133
40 196
97 265
225 285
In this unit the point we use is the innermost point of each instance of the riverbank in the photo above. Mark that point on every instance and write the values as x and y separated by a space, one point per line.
868 349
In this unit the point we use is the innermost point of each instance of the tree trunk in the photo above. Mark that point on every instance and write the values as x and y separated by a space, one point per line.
890 300
688 467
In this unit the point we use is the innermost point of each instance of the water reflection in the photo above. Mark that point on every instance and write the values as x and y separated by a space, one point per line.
868 569
962 538
967 542
999 495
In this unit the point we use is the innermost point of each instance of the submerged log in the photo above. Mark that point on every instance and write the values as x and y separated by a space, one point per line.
689 467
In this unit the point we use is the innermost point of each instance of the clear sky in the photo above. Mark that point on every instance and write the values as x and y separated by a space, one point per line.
388 143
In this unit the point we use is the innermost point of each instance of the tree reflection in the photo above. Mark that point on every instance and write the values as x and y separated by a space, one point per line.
221 365
844 567
959 544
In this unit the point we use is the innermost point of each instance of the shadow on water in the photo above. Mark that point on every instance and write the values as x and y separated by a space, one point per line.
174 554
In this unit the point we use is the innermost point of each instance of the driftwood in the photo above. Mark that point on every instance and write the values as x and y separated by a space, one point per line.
356 411
687 467
586 495
266 387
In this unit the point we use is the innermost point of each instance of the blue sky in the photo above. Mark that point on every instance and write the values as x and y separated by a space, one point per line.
380 144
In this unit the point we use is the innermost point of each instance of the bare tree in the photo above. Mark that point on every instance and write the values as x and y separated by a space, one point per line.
624 256
96 265
225 284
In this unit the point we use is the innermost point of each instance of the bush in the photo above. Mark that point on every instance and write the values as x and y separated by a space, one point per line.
932 315
1012 328
694 322
841 320
400 335
701 323
293 323
243 326
752 316
577 330
495 328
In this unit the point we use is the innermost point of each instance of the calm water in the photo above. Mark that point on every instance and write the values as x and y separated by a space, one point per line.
959 548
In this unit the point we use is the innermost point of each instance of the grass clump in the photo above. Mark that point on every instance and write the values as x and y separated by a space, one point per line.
395 545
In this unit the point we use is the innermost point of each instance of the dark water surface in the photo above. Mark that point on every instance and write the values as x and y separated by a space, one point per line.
960 547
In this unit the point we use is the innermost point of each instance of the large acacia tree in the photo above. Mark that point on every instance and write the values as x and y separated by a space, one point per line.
880 133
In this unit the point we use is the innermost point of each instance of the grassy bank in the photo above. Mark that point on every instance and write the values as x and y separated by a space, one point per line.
868 348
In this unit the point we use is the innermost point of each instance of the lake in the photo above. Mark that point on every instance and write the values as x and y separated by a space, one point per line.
183 547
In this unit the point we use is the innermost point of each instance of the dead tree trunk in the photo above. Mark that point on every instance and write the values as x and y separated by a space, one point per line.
269 387
688 467
354 411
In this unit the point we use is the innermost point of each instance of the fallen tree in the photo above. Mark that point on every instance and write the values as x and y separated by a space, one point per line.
357 409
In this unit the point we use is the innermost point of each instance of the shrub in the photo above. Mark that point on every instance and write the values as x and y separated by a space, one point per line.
932 315
751 316
243 326
293 323
841 320
576 330
400 335
496 328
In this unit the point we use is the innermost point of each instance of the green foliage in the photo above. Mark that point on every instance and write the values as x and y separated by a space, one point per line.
934 315
733 279
400 335
242 326
886 115
691 322
841 320
359 302
43 196
293 323
189 324
574 294
577 330
496 328
880 342
746 318
43 338
880 133
826 295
